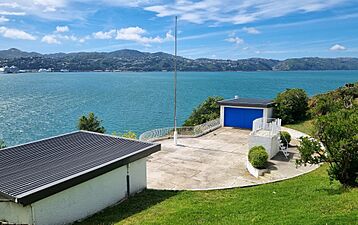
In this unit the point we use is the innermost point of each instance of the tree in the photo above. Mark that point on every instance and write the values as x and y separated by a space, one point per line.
291 105
206 111
2 144
338 132
90 123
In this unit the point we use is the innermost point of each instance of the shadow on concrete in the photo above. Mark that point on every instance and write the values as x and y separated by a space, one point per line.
271 166
129 207
281 157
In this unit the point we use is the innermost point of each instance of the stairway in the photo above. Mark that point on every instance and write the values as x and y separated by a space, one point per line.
283 148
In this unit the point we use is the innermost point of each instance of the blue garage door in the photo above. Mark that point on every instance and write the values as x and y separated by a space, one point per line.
241 117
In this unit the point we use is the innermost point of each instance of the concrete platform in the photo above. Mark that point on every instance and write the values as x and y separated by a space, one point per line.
215 161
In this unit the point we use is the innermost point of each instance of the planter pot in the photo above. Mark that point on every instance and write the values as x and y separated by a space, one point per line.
254 171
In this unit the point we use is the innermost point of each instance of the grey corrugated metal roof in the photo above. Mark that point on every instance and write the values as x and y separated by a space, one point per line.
248 102
35 170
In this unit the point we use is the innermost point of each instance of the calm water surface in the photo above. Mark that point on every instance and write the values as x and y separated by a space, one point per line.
34 106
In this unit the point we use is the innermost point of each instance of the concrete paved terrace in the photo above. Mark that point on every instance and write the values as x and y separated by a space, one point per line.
214 161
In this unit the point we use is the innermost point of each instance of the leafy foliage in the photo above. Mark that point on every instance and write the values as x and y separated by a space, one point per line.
206 111
2 144
285 137
310 152
258 157
291 105
129 134
338 131
90 123
343 97
339 134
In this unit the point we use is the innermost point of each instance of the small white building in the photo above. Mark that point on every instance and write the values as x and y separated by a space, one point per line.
66 178
241 112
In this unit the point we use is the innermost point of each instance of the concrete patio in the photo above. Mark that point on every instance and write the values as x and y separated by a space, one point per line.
214 161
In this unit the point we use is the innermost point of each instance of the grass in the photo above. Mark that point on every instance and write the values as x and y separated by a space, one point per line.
303 126
307 199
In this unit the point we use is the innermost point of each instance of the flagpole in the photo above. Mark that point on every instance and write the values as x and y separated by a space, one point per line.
175 82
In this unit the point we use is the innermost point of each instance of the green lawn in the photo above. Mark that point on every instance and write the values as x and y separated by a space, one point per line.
304 126
308 199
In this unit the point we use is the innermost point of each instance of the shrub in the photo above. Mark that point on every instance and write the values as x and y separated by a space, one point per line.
90 123
285 137
129 134
291 105
258 157
2 144
339 134
206 111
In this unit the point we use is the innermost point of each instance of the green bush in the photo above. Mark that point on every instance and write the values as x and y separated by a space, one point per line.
291 105
285 137
258 157
206 111
129 134
90 123
342 98
338 131
2 144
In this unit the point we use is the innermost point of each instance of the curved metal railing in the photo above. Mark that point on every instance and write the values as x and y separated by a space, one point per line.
168 132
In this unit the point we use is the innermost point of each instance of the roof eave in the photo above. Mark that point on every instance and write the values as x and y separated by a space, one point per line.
34 196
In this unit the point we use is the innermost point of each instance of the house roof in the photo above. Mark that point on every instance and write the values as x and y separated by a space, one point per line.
248 102
36 170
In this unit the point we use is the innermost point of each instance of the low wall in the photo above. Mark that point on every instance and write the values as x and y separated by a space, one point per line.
270 143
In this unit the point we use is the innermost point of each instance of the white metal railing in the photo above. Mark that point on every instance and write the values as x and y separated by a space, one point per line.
168 132
272 125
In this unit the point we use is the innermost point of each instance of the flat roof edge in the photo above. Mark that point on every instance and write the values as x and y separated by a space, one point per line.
33 196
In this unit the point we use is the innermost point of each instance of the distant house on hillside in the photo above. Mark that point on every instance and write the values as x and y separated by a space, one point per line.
11 69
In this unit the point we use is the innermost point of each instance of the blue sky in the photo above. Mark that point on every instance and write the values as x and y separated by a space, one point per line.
227 29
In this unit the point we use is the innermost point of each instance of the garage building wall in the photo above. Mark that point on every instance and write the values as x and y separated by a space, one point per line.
81 200
267 112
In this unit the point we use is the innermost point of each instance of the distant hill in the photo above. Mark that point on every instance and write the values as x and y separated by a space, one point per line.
133 60
317 64
16 53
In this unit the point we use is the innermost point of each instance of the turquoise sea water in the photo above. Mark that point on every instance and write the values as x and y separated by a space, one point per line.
34 106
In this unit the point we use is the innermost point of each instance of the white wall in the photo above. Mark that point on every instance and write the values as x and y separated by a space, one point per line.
84 199
270 143
138 175
15 213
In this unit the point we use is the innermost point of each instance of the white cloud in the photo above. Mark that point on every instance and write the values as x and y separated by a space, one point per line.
129 3
238 12
50 39
235 40
338 47
251 30
104 35
57 38
16 34
48 9
62 29
135 34
10 13
3 19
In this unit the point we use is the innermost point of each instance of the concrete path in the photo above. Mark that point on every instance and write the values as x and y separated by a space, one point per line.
214 161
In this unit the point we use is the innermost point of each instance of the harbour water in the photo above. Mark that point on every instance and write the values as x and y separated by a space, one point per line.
40 105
